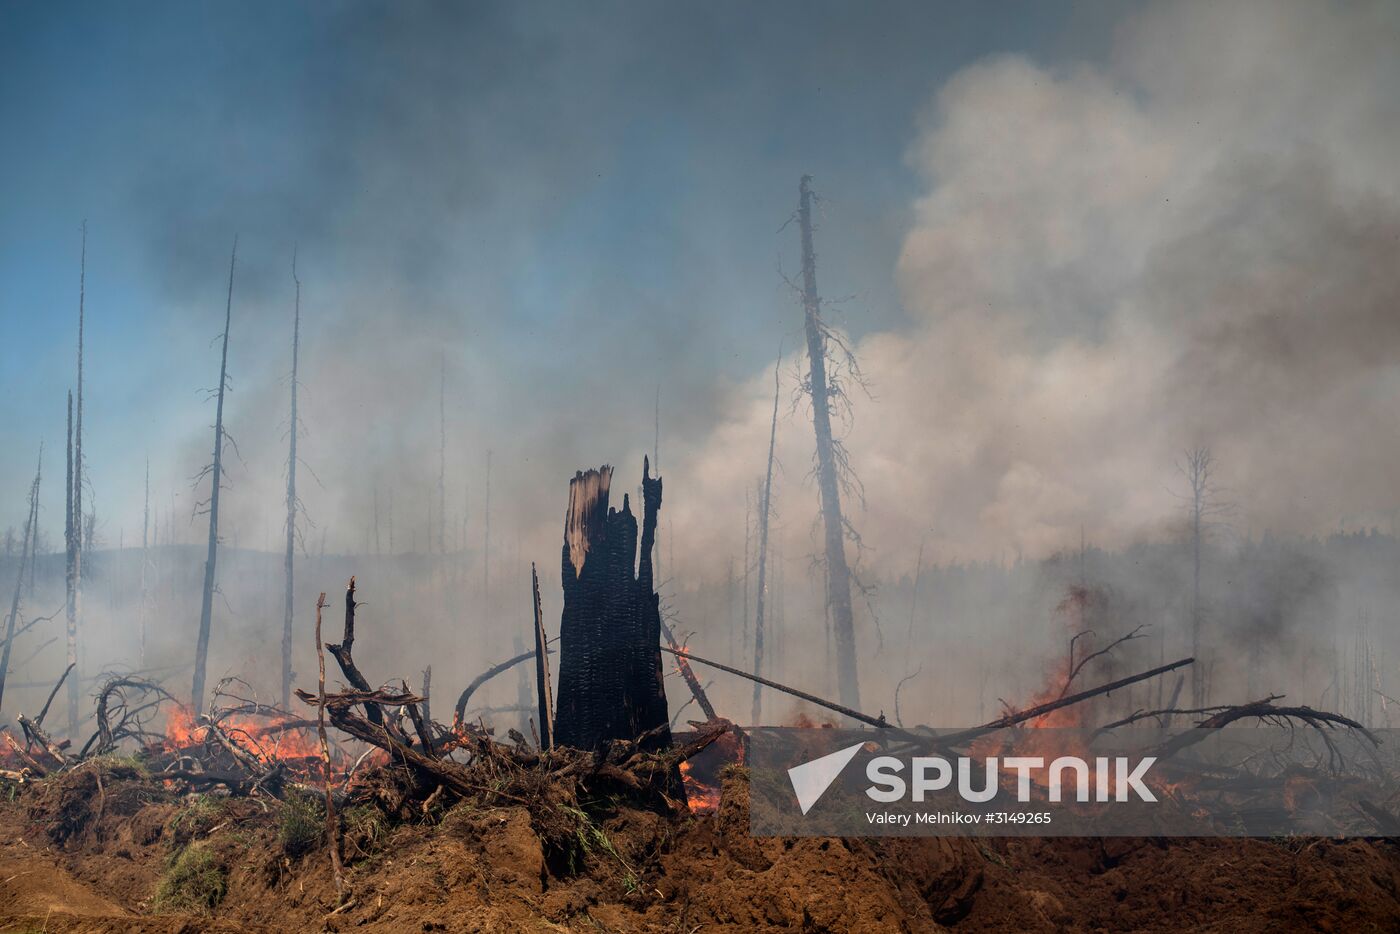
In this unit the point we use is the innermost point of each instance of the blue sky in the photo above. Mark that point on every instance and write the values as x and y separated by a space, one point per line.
528 180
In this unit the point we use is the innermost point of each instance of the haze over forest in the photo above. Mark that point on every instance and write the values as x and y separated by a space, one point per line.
1062 259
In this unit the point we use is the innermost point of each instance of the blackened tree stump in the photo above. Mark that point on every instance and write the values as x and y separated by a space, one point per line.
610 676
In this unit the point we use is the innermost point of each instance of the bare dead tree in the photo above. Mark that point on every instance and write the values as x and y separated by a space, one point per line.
442 458
748 534
215 470
486 537
543 690
764 508
30 530
1205 509
914 603
73 524
70 604
656 463
79 467
145 558
830 459
376 518
729 605
289 559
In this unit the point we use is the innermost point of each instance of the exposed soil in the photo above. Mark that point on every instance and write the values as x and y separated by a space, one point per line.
88 853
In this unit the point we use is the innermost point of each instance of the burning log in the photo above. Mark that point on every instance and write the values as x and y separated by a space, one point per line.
31 764
35 734
610 675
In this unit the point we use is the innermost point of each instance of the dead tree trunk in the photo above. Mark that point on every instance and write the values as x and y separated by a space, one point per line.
70 606
748 537
442 458
486 541
145 558
610 678
288 565
764 506
215 470
542 686
1206 509
30 530
838 573
75 600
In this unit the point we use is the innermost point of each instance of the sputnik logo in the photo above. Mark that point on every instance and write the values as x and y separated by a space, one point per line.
810 780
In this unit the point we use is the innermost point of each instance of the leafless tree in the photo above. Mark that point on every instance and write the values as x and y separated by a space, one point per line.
293 503
486 537
1206 509
73 523
764 508
824 388
442 459
70 579
30 528
748 565
215 472
145 558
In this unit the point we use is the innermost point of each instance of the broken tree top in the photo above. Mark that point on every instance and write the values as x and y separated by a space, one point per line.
588 508
610 676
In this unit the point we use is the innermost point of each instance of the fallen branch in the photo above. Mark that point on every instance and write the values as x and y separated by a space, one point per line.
370 699
30 762
879 721
1076 669
461 709
1264 710
688 673
346 660
130 723
1040 710
54 693
1384 821
35 734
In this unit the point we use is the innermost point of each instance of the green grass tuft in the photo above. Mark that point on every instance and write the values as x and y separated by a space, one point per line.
301 825
193 881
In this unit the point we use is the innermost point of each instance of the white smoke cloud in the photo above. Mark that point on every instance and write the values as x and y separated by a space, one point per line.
1193 245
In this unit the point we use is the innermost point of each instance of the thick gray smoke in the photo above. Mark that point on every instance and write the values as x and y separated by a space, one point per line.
1190 243
1193 247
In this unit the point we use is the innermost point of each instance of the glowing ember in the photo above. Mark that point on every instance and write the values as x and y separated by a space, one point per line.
701 798
701 774
267 740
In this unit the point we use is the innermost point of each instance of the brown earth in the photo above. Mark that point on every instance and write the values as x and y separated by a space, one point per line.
87 853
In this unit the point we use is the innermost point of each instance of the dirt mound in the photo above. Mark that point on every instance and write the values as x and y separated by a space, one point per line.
132 857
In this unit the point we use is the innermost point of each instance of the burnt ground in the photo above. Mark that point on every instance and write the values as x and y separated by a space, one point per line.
104 849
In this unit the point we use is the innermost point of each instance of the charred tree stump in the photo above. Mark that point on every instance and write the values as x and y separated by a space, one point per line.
610 677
